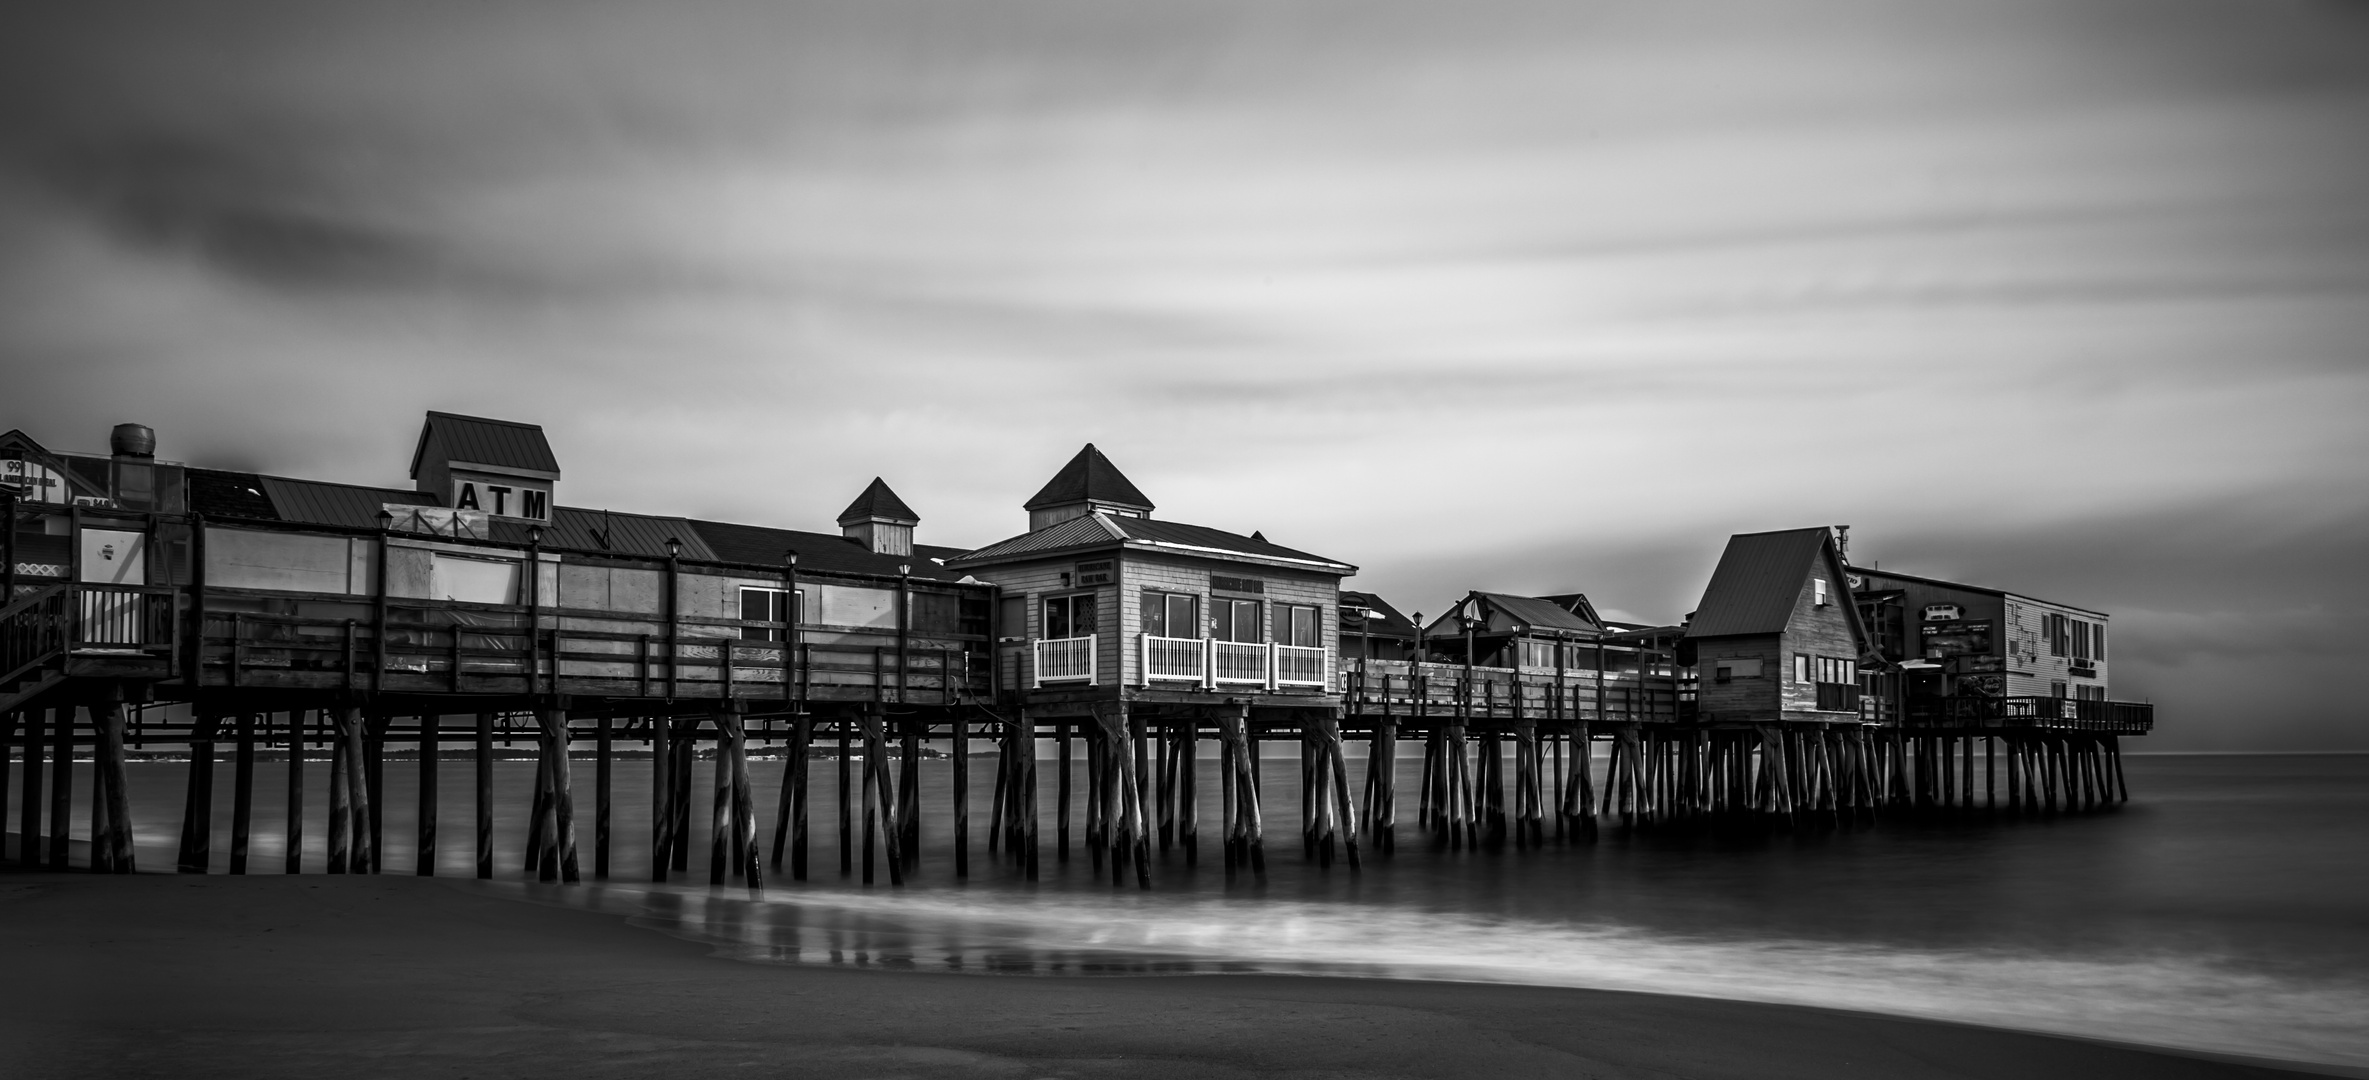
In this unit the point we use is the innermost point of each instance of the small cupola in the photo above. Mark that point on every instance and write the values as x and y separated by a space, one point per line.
501 467
1089 484
880 521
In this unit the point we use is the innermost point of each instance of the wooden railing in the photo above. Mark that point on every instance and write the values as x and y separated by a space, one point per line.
33 631
2033 713
1238 663
1299 665
1168 659
1065 660
1407 690
1838 697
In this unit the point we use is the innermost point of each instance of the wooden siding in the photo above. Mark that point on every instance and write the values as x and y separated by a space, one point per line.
1819 631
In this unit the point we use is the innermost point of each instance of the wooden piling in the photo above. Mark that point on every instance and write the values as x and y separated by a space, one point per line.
242 792
602 782
1061 794
962 792
28 835
294 855
197 818
847 804
61 786
108 777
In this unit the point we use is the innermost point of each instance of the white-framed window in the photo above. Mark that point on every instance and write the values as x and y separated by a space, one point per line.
1171 615
1235 620
1299 624
1818 591
1801 667
1832 670
765 605
1070 616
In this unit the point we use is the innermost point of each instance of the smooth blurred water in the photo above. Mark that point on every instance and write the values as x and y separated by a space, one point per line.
2225 908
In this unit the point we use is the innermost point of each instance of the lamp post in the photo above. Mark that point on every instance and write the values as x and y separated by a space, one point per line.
534 613
789 622
674 569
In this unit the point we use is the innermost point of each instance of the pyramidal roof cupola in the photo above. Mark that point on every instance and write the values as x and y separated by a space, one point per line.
880 521
1088 484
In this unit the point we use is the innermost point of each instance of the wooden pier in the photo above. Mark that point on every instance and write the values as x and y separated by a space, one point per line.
247 617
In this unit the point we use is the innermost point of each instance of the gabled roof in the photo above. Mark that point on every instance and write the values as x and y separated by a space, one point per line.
504 444
1388 622
1090 531
1577 604
878 502
1089 477
818 551
1505 613
1758 583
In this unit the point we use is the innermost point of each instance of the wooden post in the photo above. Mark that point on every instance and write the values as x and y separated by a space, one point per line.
108 776
751 866
28 836
1188 811
801 753
374 782
662 804
485 795
603 769
294 856
721 832
197 810
846 803
425 865
341 805
360 796
909 791
1061 793
556 735
962 788
242 792
61 786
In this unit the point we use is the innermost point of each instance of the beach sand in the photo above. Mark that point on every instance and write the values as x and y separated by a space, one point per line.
350 977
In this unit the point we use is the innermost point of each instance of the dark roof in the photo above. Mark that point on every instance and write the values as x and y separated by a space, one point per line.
504 443
878 501
1088 476
349 505
1962 586
1758 583
1577 604
1501 613
228 494
575 528
1110 530
818 551
1390 623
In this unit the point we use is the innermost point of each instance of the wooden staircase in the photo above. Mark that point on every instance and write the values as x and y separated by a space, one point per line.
35 632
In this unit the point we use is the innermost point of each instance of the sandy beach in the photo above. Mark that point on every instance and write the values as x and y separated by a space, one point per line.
162 975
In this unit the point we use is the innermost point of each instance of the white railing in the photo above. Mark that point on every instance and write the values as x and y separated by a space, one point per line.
1065 660
1299 665
1169 659
1233 663
112 616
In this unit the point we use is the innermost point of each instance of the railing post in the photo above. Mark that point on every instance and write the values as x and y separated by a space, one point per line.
1208 662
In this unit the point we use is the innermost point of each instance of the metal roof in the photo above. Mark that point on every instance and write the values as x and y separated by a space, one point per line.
228 494
504 443
819 551
348 505
1088 476
1538 613
576 528
878 501
1758 583
1389 623
1104 530
1577 604
1980 589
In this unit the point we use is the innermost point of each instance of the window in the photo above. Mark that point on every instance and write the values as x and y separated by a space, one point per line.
1818 591
764 605
1069 616
1171 615
2056 688
1013 618
1831 670
2057 625
1299 624
1235 620
1722 673
1801 667
2098 645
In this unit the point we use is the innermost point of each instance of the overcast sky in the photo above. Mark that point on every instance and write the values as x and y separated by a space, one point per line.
2067 297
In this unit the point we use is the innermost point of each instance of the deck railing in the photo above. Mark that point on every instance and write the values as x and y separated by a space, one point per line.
1169 659
1065 660
1838 697
1238 663
1299 665
2033 713
33 630
1406 690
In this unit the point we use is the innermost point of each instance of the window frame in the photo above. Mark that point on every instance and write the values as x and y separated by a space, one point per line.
1233 608
778 609
1069 601
1167 601
1287 624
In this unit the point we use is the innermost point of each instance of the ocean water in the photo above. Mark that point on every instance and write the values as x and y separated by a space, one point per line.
2225 908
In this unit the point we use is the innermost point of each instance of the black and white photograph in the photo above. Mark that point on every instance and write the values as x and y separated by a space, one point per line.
1298 539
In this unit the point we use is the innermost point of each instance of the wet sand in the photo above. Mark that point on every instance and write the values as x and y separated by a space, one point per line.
348 977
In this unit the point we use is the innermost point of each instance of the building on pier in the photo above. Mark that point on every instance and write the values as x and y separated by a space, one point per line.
1777 637
1971 650
1105 605
1371 629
